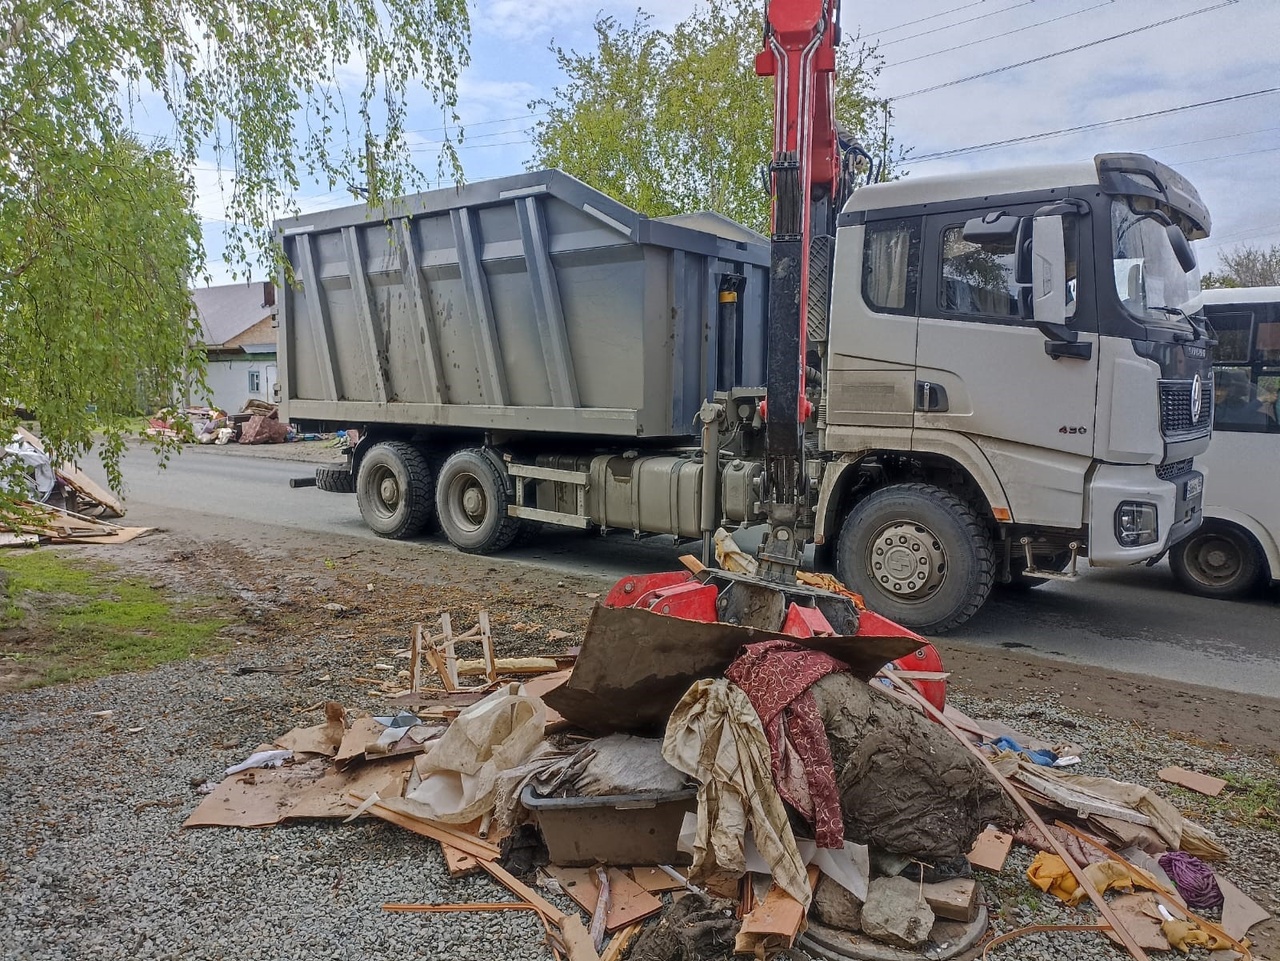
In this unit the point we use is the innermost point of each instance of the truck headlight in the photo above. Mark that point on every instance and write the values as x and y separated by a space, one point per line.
1137 523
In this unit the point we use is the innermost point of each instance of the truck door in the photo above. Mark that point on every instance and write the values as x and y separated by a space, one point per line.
871 367
983 371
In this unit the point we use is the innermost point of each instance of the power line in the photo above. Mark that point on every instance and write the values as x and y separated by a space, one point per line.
1080 128
1059 53
958 23
999 36
1228 156
934 16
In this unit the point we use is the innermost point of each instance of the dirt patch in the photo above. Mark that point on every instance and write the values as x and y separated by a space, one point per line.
1202 715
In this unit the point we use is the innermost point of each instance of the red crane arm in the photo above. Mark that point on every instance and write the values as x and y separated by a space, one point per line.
800 54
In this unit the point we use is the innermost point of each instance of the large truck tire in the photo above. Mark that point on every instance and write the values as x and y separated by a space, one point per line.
394 490
472 497
1218 560
336 480
918 555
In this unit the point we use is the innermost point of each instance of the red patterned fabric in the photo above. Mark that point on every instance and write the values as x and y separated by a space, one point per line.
776 676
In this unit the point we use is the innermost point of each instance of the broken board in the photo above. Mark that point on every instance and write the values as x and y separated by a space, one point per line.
628 901
265 797
656 880
990 850
1193 780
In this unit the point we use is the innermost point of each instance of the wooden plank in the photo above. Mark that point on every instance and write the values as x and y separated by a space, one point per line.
956 899
1193 780
774 923
629 902
655 880
393 811
458 863
990 850
460 907
1135 950
525 893
621 941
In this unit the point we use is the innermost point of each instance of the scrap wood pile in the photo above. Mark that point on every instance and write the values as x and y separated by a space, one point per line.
715 798
85 504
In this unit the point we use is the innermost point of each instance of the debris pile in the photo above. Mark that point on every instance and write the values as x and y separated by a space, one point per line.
258 422
732 793
60 503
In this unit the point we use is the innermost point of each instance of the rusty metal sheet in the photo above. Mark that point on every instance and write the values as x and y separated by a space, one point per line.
635 665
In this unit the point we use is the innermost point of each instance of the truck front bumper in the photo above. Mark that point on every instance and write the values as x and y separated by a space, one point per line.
1134 515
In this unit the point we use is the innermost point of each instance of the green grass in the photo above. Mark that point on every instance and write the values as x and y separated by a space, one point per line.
1246 801
67 619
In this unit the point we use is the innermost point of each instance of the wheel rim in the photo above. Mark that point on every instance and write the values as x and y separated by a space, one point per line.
1215 560
468 502
386 490
907 561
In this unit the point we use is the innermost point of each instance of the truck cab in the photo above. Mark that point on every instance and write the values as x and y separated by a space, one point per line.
1022 356
1235 550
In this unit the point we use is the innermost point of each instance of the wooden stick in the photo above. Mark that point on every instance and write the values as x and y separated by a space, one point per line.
480 850
1038 929
415 660
601 909
621 941
1121 932
486 647
449 908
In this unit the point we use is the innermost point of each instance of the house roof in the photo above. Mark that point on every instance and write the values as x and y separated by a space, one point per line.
228 310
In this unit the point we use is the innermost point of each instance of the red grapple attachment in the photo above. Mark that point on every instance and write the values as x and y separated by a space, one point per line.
800 611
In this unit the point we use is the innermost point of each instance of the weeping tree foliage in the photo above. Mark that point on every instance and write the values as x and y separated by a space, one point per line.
673 121
106 106
1247 266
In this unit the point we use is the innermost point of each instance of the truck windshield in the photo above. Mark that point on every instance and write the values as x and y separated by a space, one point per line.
1151 283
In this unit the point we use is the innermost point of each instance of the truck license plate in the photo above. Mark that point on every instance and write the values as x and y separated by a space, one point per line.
1194 487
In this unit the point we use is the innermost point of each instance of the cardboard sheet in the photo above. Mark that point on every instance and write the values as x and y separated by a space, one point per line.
265 797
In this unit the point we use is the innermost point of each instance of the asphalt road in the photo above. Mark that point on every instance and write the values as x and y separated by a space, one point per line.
1132 620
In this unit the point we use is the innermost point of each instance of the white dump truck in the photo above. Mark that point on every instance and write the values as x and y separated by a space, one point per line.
1005 372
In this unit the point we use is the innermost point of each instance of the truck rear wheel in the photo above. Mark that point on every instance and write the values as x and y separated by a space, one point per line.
1218 560
917 554
472 497
394 490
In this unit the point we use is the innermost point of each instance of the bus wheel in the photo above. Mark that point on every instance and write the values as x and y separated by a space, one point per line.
1218 560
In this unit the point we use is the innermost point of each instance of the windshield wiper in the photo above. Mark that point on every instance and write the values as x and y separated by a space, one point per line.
1200 332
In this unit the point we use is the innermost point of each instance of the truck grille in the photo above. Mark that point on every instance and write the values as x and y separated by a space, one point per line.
1167 472
1175 409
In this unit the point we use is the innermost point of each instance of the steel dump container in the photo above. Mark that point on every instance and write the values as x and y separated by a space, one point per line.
528 303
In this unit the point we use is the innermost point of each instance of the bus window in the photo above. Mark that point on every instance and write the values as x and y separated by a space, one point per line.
1245 401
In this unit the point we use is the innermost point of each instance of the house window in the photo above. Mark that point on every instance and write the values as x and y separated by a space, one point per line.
255 382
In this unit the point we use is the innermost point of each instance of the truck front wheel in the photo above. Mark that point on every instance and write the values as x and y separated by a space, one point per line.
394 490
472 497
1218 560
918 555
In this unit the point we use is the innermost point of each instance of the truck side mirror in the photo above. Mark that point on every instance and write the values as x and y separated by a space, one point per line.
1048 271
1181 248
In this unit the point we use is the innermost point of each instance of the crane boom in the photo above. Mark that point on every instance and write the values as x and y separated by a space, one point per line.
800 54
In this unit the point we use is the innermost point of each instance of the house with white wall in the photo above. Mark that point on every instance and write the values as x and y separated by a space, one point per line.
240 343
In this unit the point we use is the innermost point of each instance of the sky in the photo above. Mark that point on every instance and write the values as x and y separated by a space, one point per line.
1045 66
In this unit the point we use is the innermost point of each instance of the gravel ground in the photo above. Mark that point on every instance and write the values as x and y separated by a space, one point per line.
93 863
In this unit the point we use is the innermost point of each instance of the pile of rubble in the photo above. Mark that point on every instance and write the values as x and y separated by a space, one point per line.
735 793
258 422
59 503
